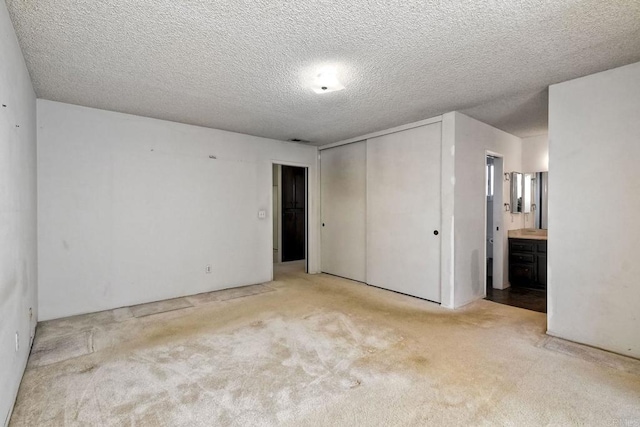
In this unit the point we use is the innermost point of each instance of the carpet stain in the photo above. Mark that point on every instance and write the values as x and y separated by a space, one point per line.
319 350
88 369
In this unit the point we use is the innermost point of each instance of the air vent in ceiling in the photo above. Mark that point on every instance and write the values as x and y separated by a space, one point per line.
298 140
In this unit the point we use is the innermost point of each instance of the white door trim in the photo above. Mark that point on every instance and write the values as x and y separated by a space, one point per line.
308 203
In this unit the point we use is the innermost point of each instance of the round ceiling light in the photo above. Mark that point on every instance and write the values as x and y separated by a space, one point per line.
327 81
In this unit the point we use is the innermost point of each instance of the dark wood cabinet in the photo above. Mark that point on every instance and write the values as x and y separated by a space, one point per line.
528 263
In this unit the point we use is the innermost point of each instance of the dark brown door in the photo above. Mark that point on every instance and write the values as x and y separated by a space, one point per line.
293 213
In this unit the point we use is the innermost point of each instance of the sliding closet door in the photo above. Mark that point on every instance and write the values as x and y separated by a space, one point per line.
343 192
403 211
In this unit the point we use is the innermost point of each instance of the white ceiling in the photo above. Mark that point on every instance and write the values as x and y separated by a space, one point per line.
246 65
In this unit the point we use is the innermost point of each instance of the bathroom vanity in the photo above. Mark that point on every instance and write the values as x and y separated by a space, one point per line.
528 258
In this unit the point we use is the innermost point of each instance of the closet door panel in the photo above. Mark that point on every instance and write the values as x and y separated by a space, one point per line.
403 211
343 194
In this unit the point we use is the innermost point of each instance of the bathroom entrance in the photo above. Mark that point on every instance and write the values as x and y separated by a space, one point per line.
494 240
516 272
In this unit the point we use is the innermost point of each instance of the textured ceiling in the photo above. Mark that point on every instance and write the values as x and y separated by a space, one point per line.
522 114
247 65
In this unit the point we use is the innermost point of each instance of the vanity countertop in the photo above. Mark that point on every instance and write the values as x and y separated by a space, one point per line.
528 233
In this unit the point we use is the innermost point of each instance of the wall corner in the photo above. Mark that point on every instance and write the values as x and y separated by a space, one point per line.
447 183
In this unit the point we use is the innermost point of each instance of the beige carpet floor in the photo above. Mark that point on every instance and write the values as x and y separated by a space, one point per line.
319 350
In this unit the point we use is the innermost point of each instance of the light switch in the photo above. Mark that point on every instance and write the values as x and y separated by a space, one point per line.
262 214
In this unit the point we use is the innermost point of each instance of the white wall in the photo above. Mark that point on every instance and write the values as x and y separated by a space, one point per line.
132 209
594 205
473 139
18 271
447 198
535 154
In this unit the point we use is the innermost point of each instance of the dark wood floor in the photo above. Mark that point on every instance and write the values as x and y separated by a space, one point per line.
530 299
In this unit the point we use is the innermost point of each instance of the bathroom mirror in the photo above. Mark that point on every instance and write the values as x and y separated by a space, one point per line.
516 192
527 192
539 204
529 195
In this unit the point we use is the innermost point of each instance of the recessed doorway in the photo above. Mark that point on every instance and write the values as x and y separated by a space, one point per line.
290 214
494 237
497 283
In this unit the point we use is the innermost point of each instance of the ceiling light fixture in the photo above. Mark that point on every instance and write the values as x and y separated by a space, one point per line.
327 81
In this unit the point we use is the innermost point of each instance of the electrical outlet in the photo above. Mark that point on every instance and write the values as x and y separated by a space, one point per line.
262 214
17 341
208 269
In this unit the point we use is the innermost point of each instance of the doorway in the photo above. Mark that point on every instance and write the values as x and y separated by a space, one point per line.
290 214
494 234
293 210
497 288
490 223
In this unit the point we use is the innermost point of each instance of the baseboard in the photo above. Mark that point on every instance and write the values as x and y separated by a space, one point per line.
591 346
475 298
24 368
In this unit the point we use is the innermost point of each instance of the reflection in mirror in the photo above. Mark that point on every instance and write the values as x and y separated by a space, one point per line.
540 205
527 192
516 192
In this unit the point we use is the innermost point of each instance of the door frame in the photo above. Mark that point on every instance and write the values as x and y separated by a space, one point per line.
307 186
498 218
